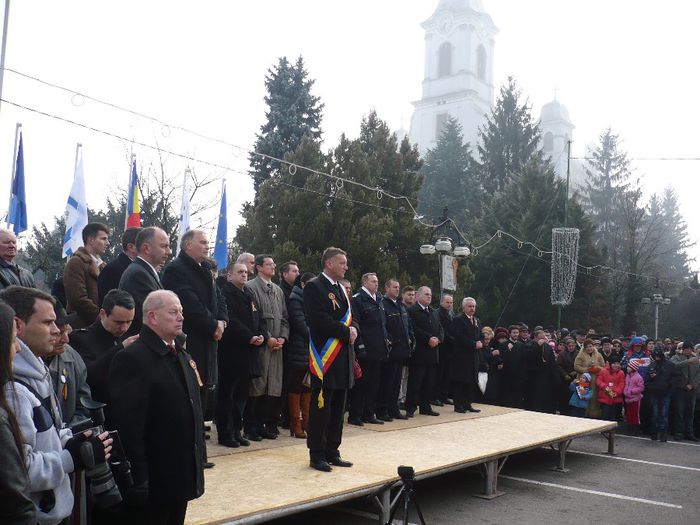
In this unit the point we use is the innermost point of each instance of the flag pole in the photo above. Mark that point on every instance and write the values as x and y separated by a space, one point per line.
5 23
18 130
128 189
78 145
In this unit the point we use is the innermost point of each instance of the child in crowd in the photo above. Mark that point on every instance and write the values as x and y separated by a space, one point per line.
582 391
634 388
611 385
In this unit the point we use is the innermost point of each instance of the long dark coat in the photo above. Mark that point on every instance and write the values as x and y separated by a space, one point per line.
296 351
324 322
237 357
425 325
399 329
156 408
370 316
139 280
465 357
110 275
202 307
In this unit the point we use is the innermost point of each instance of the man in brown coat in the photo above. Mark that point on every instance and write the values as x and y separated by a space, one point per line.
81 272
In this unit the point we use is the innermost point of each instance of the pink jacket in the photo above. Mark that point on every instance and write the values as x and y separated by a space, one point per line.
634 386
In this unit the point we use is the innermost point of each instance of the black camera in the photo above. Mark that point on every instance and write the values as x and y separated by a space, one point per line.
100 476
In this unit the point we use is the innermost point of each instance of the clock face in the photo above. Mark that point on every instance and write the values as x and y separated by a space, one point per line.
445 24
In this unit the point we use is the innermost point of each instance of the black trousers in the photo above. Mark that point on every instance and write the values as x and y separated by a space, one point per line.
442 380
421 386
513 395
262 410
232 395
325 429
153 514
363 396
463 394
389 387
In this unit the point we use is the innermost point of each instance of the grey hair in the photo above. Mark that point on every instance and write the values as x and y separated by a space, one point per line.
466 300
5 231
245 255
188 236
155 300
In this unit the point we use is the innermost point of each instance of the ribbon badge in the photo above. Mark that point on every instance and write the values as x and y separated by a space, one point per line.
194 367
333 299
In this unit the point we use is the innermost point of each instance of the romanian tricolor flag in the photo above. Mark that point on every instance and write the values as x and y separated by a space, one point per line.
133 208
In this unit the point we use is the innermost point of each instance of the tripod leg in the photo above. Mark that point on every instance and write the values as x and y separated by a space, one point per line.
396 506
406 506
420 514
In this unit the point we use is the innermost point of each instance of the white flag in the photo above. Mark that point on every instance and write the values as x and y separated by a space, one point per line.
77 215
184 212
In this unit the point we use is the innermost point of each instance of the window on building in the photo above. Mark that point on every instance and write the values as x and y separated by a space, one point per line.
481 63
440 121
548 141
445 60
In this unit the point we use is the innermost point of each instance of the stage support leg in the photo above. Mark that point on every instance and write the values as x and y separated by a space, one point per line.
610 435
563 446
383 502
491 471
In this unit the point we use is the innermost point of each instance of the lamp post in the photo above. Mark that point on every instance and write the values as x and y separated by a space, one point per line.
442 243
657 300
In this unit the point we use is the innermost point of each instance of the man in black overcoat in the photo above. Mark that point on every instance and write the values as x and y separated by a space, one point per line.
442 382
325 304
422 366
464 369
142 276
240 344
154 387
111 274
372 350
514 372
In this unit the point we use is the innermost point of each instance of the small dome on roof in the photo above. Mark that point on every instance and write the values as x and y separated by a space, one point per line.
554 110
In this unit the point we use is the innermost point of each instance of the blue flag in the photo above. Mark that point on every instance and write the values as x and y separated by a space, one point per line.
221 248
17 215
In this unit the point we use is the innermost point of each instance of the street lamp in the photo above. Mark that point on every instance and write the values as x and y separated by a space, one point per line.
441 243
657 300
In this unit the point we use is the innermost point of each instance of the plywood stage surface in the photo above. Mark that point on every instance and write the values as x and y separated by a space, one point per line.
275 475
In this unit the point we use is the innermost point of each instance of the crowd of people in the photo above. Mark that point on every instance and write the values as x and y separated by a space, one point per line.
124 362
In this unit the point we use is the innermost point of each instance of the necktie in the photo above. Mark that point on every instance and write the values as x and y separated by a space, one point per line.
172 349
269 288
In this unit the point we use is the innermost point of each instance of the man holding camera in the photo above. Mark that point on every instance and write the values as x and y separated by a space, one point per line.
154 387
53 452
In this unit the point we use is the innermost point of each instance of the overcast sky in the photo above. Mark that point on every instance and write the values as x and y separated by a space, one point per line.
630 65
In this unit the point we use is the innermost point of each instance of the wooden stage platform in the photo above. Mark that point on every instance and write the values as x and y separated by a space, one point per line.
271 479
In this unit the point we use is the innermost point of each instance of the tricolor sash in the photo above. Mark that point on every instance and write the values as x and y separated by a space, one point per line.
321 361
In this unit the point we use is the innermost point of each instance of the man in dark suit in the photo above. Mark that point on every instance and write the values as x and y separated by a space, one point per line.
154 387
141 276
110 274
464 369
423 363
189 276
99 343
240 344
442 382
327 308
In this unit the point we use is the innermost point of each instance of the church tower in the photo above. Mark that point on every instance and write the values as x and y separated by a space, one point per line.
557 129
458 78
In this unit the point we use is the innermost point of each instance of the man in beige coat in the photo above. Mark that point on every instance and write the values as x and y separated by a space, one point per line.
265 403
81 273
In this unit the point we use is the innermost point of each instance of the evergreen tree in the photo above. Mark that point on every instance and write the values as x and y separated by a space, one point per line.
292 113
675 241
509 141
448 180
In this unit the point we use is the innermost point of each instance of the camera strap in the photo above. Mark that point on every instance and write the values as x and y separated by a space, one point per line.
45 401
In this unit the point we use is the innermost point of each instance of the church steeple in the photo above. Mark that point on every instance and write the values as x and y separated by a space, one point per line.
458 77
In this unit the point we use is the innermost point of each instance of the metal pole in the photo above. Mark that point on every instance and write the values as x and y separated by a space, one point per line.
656 321
5 23
566 210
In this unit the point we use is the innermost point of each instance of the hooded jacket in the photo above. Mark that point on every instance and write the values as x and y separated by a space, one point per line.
634 386
48 464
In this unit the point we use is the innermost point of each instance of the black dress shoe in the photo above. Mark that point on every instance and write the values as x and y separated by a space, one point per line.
241 440
356 421
265 434
410 413
385 417
207 464
339 462
253 436
460 410
399 416
472 409
447 401
229 442
430 412
373 421
321 465
437 403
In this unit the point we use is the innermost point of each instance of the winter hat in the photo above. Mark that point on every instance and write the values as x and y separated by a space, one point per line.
586 377
633 366
687 344
637 341
613 359
501 332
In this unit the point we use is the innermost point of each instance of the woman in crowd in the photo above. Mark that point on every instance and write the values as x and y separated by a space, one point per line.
491 355
611 385
590 361
565 362
296 361
15 505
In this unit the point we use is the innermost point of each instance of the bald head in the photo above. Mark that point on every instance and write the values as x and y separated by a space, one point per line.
424 296
162 313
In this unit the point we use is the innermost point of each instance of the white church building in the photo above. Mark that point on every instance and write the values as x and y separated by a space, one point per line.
458 81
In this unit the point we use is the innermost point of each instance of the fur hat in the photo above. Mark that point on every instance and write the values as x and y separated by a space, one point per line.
501 332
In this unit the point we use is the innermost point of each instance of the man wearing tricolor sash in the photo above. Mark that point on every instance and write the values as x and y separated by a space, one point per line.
331 358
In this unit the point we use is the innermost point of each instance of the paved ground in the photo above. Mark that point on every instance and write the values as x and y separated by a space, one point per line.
647 483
